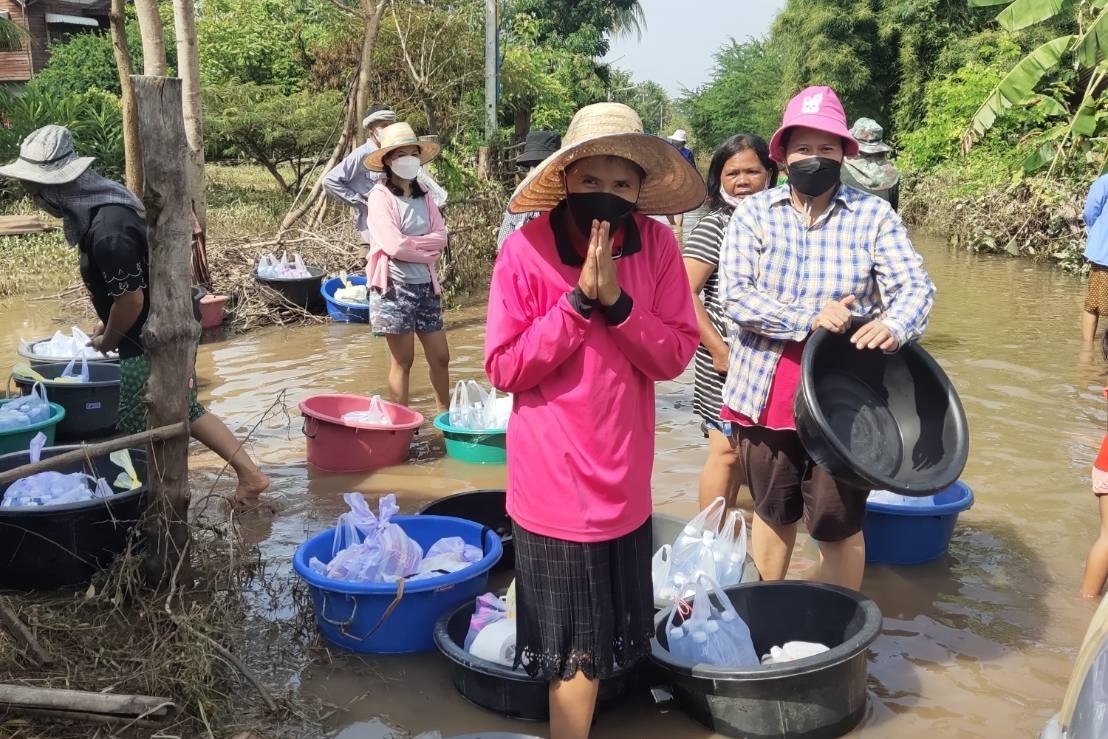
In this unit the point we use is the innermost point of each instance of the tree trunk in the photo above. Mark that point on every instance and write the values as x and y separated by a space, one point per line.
132 147
153 37
352 124
373 11
188 69
170 333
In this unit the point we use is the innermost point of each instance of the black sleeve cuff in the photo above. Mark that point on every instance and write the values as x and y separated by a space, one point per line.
581 302
618 312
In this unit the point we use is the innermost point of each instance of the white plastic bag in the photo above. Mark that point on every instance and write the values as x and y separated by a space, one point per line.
25 411
369 548
51 487
376 415
467 405
72 373
793 650
448 554
659 572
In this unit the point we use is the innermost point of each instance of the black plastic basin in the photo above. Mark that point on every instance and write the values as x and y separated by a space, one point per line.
64 546
880 421
818 697
303 292
91 408
486 507
497 688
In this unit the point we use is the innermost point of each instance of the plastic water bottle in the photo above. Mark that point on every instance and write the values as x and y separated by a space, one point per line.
701 649
721 650
734 627
680 645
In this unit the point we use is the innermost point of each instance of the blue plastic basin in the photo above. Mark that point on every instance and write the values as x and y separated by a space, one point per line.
340 310
352 615
913 534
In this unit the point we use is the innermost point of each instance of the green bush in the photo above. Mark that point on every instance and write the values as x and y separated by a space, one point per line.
93 116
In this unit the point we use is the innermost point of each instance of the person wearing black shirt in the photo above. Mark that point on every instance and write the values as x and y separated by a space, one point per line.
106 223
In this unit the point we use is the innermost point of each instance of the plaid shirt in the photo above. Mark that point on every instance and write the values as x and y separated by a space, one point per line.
776 275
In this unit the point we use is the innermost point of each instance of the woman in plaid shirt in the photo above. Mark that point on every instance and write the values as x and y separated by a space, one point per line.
812 253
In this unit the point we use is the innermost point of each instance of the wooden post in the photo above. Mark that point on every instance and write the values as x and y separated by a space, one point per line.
171 332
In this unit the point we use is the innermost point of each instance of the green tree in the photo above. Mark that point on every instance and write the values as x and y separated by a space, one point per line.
580 26
1072 68
281 132
838 43
86 61
744 94
265 42
918 32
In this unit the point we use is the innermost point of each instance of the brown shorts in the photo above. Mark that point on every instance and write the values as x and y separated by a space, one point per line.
1096 301
787 485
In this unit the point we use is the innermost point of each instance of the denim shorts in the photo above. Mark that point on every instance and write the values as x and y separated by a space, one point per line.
405 309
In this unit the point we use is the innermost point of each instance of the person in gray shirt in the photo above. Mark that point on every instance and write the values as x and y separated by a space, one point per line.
349 181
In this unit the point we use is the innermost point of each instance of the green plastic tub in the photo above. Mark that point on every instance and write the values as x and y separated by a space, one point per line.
18 440
474 447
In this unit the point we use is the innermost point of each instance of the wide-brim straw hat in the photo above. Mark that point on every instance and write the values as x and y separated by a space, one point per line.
672 185
47 157
398 136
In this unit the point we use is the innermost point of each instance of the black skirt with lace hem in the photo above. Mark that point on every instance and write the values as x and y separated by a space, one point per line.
582 606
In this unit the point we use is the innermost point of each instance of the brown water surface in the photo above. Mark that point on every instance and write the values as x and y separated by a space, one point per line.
976 644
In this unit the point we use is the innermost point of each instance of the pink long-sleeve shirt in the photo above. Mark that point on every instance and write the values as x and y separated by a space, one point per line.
387 241
581 435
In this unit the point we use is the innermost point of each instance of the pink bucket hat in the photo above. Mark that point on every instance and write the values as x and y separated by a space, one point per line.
818 108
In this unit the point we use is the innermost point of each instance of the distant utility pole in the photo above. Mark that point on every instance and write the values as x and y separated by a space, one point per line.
491 56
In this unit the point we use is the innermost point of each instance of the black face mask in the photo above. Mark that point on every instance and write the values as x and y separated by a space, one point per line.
585 207
815 175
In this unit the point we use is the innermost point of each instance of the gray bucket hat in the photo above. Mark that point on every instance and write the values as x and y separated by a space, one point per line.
47 157
868 133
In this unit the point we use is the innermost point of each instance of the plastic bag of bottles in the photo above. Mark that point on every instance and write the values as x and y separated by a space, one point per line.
270 267
472 408
718 634
891 498
50 488
448 554
369 548
695 551
26 411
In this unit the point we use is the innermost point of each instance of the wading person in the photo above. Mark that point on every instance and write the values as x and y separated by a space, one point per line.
106 223
538 146
1096 251
589 306
740 167
810 254
678 140
349 181
406 236
871 169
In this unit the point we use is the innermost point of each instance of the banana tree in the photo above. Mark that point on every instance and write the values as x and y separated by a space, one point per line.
1085 53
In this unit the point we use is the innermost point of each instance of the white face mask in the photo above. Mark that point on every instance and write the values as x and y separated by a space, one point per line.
729 198
405 167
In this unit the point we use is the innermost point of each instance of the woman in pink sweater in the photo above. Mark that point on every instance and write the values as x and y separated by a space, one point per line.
588 308
406 234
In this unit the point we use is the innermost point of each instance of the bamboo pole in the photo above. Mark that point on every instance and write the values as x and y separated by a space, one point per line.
88 451
79 704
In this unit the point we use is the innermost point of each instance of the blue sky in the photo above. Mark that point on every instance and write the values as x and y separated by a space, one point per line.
678 47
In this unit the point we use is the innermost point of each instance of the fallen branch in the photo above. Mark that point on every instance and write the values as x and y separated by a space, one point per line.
88 451
79 704
22 635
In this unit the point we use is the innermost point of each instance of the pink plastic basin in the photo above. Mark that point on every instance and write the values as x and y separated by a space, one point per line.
211 310
335 445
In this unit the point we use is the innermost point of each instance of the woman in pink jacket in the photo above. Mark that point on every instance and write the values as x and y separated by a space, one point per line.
406 234
589 307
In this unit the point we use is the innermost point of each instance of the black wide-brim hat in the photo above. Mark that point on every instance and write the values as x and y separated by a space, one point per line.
538 146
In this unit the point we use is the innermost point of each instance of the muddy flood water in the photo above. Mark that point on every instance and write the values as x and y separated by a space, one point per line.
976 644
